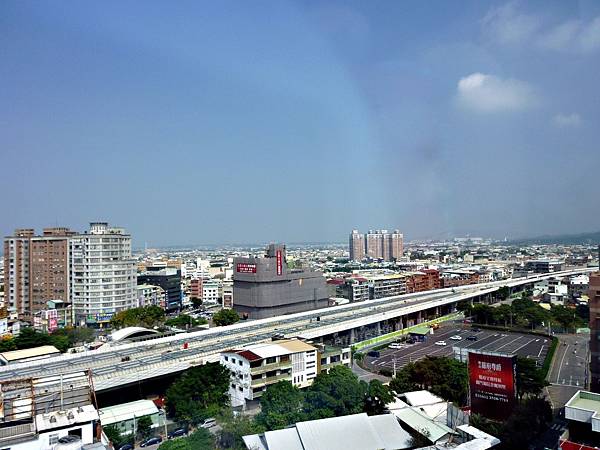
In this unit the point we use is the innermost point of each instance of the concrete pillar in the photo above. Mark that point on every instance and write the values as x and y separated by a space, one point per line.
419 317
378 328
351 332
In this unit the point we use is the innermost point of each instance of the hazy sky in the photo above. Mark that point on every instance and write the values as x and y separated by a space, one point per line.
221 122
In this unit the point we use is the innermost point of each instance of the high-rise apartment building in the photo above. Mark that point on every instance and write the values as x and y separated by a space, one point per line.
594 304
36 269
357 246
103 274
169 279
378 244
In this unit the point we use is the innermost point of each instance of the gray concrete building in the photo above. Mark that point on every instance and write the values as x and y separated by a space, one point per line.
266 287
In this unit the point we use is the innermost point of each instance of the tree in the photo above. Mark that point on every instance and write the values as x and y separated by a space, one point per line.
337 393
196 302
234 428
114 435
503 293
281 404
445 377
200 392
377 397
201 439
184 320
7 344
144 427
482 313
225 317
503 314
145 316
29 338
530 379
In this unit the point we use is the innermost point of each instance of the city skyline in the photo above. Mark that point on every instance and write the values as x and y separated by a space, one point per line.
305 121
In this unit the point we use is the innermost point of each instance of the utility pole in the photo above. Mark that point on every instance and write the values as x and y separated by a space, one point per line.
394 372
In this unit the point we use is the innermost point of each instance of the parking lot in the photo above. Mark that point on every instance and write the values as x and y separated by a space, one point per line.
525 345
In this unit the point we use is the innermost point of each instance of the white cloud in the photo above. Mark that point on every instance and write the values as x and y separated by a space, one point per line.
488 93
573 36
507 25
567 120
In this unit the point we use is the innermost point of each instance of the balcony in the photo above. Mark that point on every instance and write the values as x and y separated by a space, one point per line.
276 365
269 380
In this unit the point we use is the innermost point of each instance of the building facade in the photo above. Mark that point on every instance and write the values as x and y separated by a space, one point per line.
258 366
357 246
266 287
594 304
378 244
169 279
102 273
37 269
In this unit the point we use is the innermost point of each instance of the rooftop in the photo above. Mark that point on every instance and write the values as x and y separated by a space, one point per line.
127 411
43 350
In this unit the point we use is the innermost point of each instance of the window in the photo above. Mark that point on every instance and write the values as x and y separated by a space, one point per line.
240 362
226 358
53 439
271 360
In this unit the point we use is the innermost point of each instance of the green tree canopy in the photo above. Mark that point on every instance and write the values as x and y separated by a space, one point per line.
225 317
144 427
281 404
234 428
530 379
183 321
200 392
201 439
145 316
377 397
337 393
444 377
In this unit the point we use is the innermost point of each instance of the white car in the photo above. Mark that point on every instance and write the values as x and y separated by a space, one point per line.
208 423
395 346
456 338
441 343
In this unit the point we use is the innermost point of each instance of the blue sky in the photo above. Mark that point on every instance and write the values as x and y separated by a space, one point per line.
222 122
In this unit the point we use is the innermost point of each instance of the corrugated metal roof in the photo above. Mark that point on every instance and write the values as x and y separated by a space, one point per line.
339 433
296 346
421 423
391 433
287 439
127 411
418 398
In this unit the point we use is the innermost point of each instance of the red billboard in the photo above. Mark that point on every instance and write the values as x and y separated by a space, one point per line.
492 384
246 268
279 262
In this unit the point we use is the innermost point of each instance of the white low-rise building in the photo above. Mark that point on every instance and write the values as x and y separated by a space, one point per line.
255 367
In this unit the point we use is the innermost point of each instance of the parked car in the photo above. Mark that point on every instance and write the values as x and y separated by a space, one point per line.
208 423
441 343
476 330
177 433
126 447
472 338
410 341
151 441
456 337
374 354
394 346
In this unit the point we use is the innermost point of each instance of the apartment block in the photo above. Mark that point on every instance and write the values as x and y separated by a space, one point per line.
258 366
378 244
36 269
102 273
594 303
357 246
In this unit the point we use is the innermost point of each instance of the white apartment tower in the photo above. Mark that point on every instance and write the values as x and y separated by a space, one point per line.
103 274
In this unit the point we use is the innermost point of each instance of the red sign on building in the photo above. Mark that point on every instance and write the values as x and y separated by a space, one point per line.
279 263
492 384
246 268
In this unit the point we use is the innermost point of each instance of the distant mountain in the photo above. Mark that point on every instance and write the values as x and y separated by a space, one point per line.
565 239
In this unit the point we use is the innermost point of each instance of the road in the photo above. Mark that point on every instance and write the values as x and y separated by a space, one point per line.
569 369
